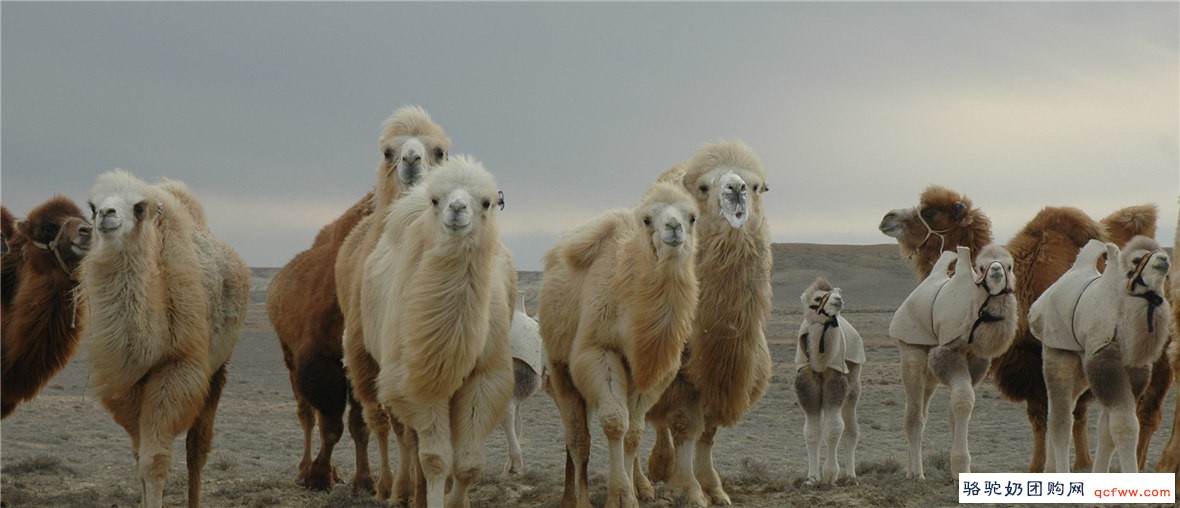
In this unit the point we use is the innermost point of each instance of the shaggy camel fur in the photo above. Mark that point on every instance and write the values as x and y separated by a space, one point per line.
727 362
167 301
1102 331
1043 250
412 144
617 303
828 357
1170 460
301 303
436 311
528 365
8 265
947 330
42 321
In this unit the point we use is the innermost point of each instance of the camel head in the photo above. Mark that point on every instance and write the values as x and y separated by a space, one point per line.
121 204
669 216
939 212
58 228
1145 266
411 145
727 179
463 196
993 265
821 302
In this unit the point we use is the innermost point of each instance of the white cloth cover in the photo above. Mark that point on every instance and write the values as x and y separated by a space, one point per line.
526 339
955 300
850 349
1052 317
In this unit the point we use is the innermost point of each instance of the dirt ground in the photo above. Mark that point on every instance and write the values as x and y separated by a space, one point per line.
63 449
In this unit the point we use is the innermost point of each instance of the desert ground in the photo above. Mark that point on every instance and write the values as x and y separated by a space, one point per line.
63 449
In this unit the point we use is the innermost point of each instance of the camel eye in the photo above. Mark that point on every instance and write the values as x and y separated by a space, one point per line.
389 155
647 221
486 204
139 209
927 214
704 189
1136 261
692 219
434 201
755 188
439 154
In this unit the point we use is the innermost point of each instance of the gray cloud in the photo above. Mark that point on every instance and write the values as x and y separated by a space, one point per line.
271 112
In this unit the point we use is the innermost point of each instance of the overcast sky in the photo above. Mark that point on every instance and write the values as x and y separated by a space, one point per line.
271 112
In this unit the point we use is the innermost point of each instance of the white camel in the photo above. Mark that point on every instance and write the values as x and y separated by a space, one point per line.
1103 332
528 365
827 380
948 329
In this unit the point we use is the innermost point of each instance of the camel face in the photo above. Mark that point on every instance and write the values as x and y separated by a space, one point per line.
463 194
58 227
1144 263
822 302
411 158
731 193
939 211
670 226
118 204
994 266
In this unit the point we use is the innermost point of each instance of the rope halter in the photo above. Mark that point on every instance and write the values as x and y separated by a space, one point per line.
983 316
931 231
831 322
52 247
1154 300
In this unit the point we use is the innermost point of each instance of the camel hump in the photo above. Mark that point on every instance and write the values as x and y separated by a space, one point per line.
1051 316
583 245
189 201
1126 223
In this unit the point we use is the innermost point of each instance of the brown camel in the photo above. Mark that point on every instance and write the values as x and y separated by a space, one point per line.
42 321
1043 250
301 303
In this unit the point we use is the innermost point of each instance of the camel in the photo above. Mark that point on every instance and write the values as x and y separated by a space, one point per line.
301 303
167 301
1103 332
528 366
411 145
1170 460
42 321
8 265
947 330
617 302
828 357
436 310
1042 251
727 366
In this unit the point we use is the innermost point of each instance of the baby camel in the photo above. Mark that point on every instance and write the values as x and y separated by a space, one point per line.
827 380
1102 332
948 329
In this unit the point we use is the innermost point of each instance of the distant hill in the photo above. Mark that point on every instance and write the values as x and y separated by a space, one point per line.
873 277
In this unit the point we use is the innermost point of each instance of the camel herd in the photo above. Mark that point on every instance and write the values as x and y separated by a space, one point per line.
403 308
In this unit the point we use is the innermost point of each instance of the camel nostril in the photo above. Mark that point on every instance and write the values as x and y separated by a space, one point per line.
84 231
107 212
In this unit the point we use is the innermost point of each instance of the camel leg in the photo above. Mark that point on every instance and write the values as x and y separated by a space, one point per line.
600 376
684 425
951 369
1062 372
706 473
200 438
1150 405
321 475
515 464
851 425
362 481
409 488
1169 461
363 370
809 392
639 403
484 400
518 430
1117 427
574 416
661 461
913 377
304 412
432 423
835 388
1081 440
174 394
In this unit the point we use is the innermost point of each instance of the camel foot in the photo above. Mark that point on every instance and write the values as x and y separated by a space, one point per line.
718 496
960 464
659 464
847 480
644 490
1083 464
363 486
686 494
385 487
620 499
319 479
512 468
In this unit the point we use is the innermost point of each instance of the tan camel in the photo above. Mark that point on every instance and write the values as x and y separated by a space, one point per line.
412 144
436 310
617 302
167 301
